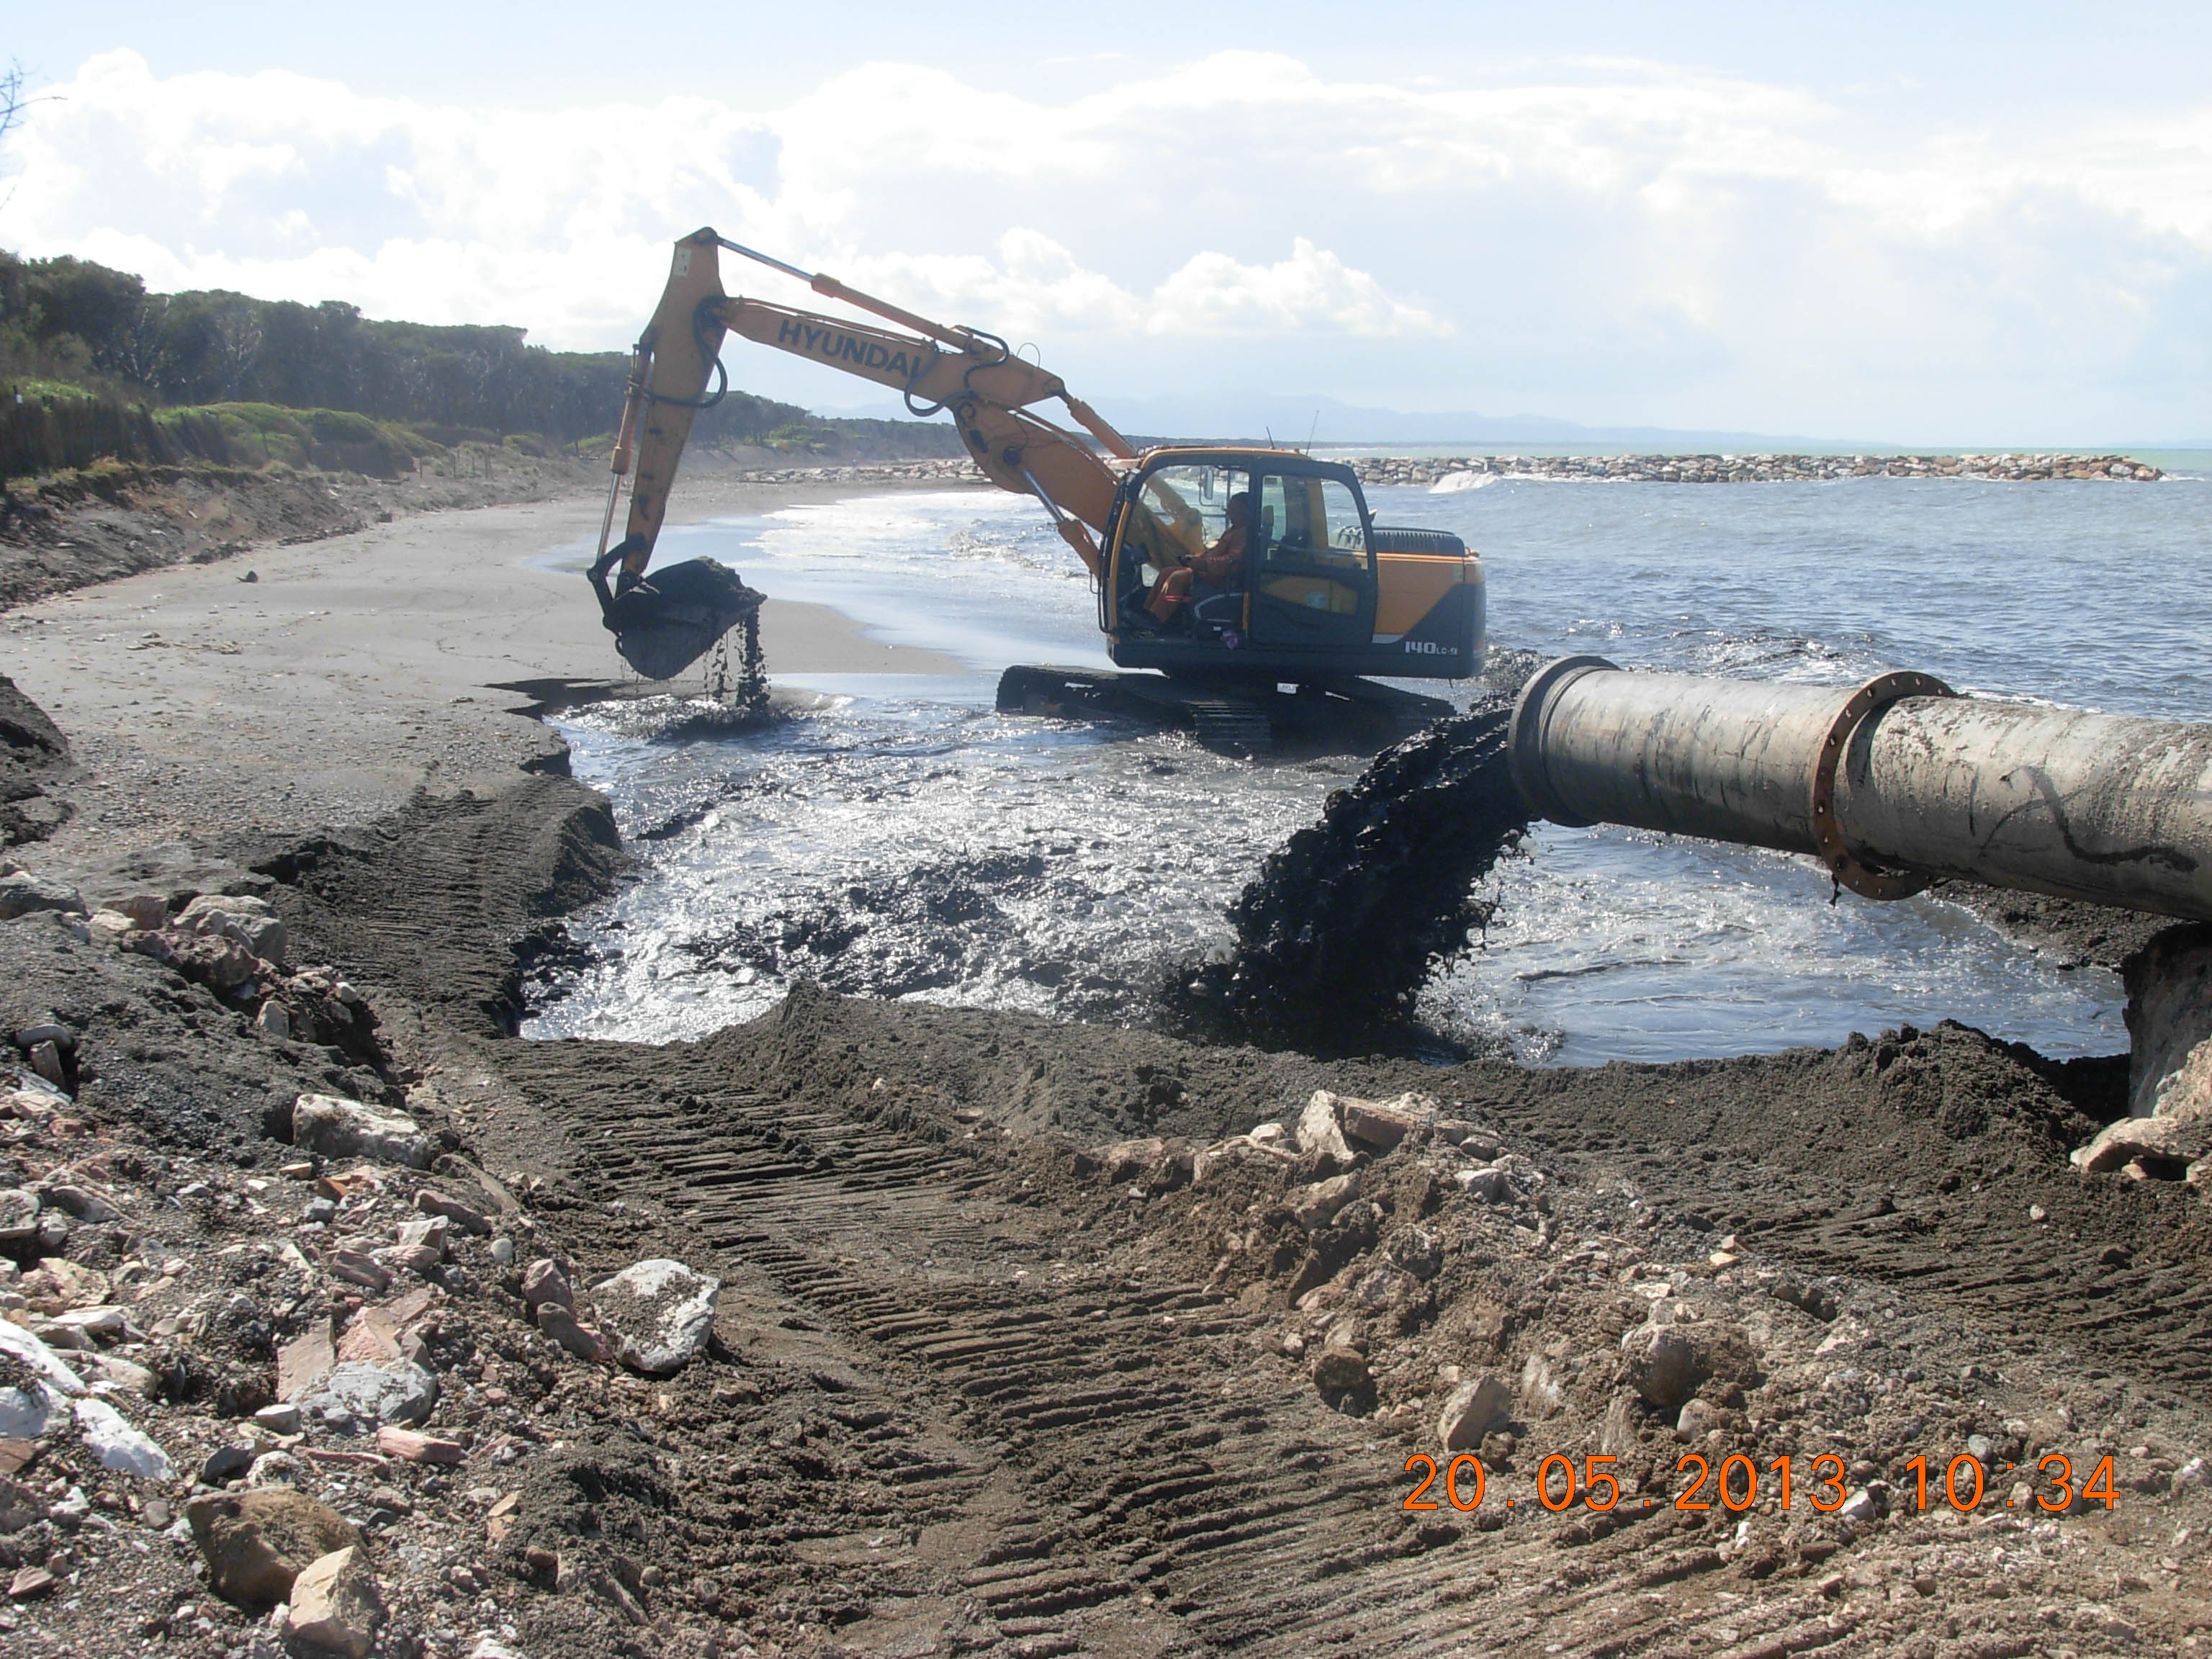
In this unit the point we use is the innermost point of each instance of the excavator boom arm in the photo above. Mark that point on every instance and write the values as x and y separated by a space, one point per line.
987 389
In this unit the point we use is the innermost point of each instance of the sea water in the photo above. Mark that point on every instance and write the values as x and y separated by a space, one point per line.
900 838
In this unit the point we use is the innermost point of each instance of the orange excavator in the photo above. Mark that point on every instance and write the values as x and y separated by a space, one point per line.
1251 578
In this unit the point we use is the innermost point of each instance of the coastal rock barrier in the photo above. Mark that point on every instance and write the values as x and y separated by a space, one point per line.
1630 469
1752 469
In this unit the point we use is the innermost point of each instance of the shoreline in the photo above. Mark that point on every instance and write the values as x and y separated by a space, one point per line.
354 670
967 1260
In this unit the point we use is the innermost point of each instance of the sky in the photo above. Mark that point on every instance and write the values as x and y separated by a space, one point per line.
1992 226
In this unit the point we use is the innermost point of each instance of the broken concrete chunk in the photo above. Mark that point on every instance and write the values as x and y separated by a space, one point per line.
1320 1128
658 1314
345 1128
2167 1139
1473 1410
256 1544
336 1605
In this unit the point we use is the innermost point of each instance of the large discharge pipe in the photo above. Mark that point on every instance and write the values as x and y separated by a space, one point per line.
1892 785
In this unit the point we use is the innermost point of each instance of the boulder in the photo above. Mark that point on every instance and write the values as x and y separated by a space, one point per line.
237 916
110 928
542 1281
19 1215
2166 1139
1125 1160
22 894
1383 1123
1663 1365
1473 1410
1336 1369
148 910
336 1605
1320 1128
336 1127
657 1314
360 1395
256 1544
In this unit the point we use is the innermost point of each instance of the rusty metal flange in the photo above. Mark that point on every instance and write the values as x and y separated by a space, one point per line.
1845 865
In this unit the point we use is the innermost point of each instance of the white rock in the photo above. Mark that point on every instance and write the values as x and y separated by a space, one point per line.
28 1412
360 1395
1473 1410
117 1446
1321 1129
335 1605
658 1314
345 1128
19 1343
274 1019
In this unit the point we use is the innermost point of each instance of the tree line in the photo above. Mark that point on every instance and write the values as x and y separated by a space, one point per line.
75 321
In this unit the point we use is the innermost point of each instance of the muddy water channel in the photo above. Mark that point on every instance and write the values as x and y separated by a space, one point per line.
897 837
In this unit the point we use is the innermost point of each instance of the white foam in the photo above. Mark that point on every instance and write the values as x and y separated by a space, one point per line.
1452 483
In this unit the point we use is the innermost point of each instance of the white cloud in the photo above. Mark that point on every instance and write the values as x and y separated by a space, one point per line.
1617 242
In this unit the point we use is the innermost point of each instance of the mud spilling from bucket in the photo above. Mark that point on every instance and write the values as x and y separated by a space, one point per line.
1344 925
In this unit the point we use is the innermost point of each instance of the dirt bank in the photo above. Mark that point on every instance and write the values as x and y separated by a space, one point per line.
1022 1346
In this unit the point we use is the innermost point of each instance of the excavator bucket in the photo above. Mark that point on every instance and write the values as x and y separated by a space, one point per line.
667 622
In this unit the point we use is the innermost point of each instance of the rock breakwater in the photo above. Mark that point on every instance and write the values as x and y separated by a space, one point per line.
1749 469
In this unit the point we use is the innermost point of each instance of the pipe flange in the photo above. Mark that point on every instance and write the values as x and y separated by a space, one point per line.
1845 865
1524 750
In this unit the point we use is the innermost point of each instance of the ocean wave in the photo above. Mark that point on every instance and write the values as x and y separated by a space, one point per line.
1452 483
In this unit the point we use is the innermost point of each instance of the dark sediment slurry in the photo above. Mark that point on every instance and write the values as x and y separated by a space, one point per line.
1342 927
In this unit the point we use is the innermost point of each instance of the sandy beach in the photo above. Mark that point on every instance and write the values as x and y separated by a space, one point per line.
356 669
1027 1338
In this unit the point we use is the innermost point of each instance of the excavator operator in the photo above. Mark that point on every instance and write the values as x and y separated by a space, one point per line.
1214 572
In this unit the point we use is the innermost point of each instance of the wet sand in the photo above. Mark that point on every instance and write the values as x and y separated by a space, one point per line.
356 669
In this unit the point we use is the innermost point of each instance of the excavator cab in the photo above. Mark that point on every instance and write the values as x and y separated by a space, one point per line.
1303 594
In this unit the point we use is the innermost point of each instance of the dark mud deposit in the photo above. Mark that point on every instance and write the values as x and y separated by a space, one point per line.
1341 928
983 1384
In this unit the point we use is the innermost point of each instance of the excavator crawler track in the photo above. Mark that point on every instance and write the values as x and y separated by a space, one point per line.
1250 720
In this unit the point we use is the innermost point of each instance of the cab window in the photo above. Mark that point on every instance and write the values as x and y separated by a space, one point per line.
1307 521
1180 512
